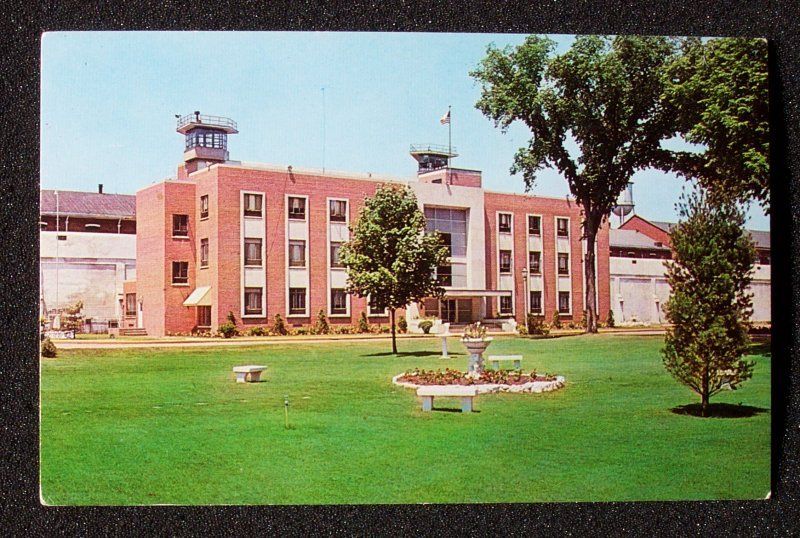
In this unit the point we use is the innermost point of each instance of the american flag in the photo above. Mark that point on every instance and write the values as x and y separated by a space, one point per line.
445 119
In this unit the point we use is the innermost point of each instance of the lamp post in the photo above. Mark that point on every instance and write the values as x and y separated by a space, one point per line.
525 291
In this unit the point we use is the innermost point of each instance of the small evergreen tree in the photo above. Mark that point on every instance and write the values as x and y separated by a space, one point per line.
556 320
610 320
710 306
402 325
49 349
322 326
279 326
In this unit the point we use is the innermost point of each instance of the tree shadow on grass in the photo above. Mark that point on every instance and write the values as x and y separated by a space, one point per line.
720 410
409 354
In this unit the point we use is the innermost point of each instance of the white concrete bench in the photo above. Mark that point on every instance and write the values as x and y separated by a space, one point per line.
250 372
466 393
495 360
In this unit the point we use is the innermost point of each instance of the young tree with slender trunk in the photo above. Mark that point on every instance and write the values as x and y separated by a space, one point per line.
389 257
594 113
710 305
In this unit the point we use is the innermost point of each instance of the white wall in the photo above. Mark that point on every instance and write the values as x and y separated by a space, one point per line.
639 291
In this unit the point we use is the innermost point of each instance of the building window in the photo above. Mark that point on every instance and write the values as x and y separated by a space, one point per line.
375 309
252 300
506 305
180 225
536 302
62 237
763 257
447 242
563 263
297 253
204 253
335 260
338 301
180 272
534 225
445 275
252 205
338 210
252 251
562 227
204 316
535 262
505 223
297 300
297 208
130 304
452 225
505 261
204 206
563 302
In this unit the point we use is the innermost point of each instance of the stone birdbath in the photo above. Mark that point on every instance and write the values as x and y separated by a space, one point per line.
476 342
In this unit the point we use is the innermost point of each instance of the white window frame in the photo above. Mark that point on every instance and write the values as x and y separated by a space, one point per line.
244 207
500 302
346 313
569 266
306 208
511 222
569 227
263 267
527 224
371 314
289 306
307 239
539 312
328 210
244 303
570 302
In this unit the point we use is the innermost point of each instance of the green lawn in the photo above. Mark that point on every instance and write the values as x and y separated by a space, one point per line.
171 426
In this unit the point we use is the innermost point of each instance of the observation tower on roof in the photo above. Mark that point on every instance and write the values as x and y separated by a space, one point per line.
206 139
432 156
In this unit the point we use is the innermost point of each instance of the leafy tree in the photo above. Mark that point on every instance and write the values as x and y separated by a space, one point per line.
717 95
603 97
711 268
389 257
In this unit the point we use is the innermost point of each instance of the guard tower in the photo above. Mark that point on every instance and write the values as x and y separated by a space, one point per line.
206 139
432 156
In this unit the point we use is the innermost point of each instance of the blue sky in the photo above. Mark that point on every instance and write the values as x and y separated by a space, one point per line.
109 101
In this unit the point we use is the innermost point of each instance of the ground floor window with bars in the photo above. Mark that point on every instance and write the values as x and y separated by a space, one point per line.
536 302
252 301
338 301
297 301
204 316
563 302
506 305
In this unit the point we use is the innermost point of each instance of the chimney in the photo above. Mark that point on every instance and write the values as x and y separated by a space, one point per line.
100 188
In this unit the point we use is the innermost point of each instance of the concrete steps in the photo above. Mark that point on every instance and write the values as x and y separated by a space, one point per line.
132 332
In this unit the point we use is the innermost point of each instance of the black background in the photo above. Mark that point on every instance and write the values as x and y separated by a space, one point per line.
22 26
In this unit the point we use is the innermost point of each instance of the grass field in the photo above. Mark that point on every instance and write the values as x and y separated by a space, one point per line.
145 426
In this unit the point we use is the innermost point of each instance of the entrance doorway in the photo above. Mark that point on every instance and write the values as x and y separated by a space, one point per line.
456 310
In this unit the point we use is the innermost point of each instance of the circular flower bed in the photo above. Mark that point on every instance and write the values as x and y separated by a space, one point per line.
488 381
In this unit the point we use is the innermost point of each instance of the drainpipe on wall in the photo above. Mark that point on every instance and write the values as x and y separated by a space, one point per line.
119 226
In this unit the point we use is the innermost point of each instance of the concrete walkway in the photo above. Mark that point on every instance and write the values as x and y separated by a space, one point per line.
180 341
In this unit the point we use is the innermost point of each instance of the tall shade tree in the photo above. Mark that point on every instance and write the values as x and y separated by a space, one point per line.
389 257
593 113
718 96
710 306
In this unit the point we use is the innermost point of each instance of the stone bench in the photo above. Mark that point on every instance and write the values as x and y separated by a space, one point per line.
250 372
495 361
429 392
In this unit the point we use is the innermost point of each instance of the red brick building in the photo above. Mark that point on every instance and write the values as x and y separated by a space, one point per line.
260 240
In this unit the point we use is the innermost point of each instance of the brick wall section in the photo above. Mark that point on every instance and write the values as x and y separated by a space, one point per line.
150 246
78 224
650 230
549 208
179 199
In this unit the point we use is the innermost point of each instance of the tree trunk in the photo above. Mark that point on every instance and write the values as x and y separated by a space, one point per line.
394 336
704 392
591 276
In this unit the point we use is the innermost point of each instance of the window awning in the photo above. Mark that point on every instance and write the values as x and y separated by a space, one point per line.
477 293
199 297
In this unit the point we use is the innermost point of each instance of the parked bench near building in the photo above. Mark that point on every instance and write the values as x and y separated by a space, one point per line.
429 392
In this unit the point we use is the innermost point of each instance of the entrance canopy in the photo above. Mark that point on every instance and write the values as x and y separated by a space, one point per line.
199 297
477 293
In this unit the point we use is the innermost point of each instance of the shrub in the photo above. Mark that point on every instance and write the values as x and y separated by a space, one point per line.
49 349
426 325
522 329
556 324
257 331
343 329
536 326
583 322
610 321
363 324
321 326
402 325
231 318
279 326
227 329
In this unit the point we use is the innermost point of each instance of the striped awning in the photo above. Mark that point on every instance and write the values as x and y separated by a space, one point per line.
199 297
